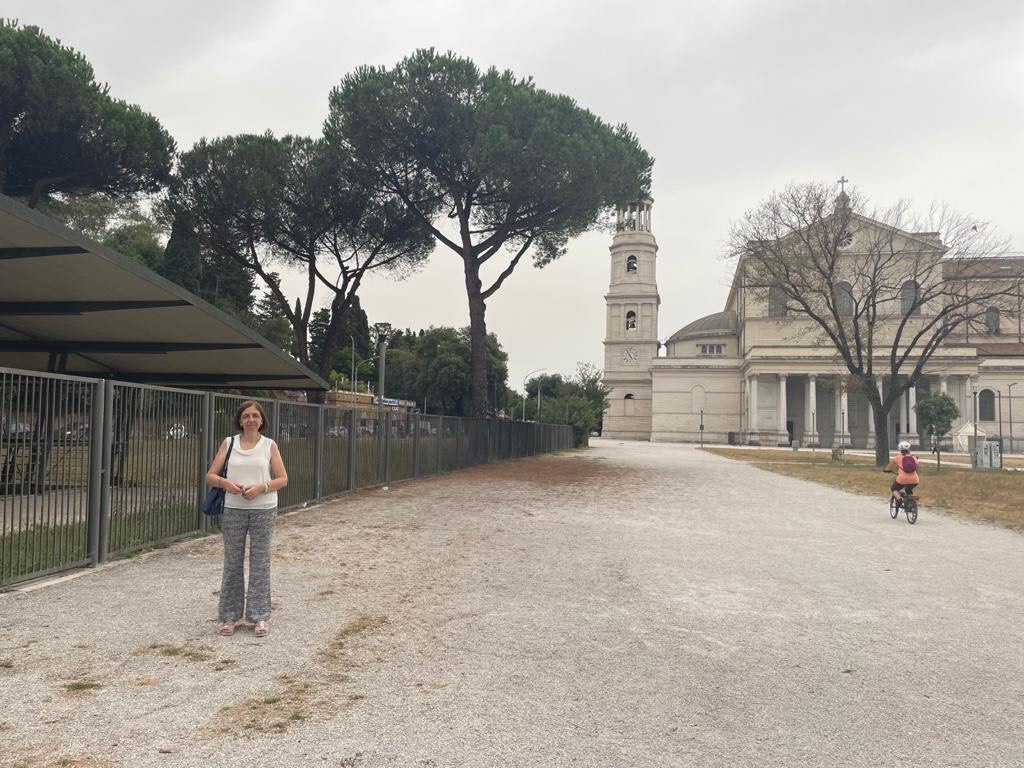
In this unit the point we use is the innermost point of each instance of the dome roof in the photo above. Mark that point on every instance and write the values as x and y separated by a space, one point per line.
718 324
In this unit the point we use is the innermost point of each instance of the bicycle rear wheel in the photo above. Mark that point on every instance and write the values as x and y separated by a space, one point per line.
894 509
910 506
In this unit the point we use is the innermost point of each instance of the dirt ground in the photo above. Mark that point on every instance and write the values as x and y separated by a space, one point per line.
627 605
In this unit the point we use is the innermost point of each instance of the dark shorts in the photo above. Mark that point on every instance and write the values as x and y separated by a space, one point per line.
909 488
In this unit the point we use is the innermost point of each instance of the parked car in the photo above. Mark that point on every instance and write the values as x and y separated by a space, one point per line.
337 430
75 433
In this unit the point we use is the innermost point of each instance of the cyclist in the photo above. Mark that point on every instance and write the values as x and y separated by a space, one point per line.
905 467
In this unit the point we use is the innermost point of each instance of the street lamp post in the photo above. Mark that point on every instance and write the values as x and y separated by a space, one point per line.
527 394
701 427
814 439
1009 403
352 379
383 329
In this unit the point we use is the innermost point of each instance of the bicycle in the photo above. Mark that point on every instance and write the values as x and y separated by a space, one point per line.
907 502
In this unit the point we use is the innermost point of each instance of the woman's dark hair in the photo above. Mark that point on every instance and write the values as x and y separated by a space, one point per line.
250 404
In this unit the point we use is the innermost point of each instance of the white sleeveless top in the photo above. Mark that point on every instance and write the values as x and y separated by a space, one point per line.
250 467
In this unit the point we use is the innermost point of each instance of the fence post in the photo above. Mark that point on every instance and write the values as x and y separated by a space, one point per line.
387 448
318 453
96 431
440 435
352 449
275 418
416 445
106 471
207 449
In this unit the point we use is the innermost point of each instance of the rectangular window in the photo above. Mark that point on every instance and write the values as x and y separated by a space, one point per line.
709 350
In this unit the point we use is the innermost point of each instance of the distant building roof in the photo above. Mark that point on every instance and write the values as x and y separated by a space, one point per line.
718 324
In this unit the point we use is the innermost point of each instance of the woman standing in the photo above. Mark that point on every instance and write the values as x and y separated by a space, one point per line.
255 474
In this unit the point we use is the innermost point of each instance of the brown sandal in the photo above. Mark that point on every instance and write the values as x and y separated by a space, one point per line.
227 628
262 629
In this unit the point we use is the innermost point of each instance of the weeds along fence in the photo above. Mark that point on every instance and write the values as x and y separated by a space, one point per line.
91 469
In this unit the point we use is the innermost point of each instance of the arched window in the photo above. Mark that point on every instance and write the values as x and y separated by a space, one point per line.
776 302
844 299
631 321
629 405
992 321
986 405
909 295
630 264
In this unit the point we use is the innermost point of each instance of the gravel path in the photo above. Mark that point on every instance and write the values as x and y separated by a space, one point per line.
629 605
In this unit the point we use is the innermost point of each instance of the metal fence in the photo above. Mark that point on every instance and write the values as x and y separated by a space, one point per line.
93 468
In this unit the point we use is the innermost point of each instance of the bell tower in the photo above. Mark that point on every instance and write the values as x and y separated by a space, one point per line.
631 329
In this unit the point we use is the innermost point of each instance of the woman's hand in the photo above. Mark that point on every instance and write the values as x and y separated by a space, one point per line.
231 487
252 491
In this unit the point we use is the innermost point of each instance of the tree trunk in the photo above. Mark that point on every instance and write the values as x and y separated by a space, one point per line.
881 435
477 335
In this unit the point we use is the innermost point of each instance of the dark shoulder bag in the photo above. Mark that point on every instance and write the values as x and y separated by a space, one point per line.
213 504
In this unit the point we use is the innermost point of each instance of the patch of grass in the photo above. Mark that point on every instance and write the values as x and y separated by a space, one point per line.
336 648
270 714
989 495
147 681
184 651
42 547
82 685
6 664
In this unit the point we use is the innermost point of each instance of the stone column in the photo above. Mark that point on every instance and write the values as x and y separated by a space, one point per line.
904 430
844 418
915 438
871 424
753 437
783 438
810 411
944 384
881 388
837 427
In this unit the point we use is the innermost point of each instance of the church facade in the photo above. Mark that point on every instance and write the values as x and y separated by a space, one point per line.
752 374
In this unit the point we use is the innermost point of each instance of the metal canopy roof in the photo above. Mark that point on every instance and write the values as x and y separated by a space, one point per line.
70 305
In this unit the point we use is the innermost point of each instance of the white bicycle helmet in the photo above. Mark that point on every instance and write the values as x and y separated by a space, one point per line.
904 446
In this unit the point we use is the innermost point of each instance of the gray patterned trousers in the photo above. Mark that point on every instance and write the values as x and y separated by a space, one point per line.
258 525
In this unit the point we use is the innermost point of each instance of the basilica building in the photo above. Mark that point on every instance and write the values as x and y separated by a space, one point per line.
751 375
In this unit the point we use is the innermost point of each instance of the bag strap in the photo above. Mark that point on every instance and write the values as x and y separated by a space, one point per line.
224 469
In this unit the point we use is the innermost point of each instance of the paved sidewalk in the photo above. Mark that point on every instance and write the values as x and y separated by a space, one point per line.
629 605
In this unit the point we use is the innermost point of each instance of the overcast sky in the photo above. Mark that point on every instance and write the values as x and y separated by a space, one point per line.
733 98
